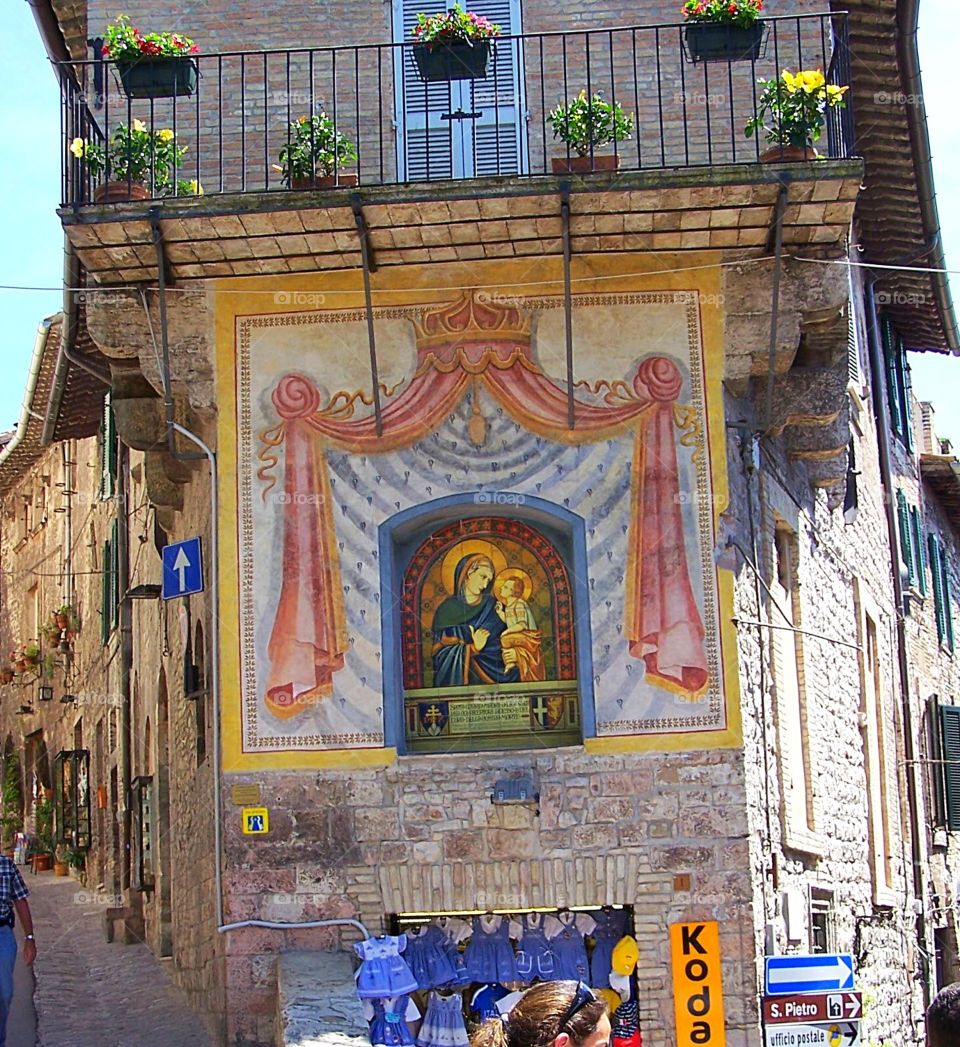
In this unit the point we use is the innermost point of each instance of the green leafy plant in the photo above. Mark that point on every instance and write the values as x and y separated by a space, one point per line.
74 857
11 821
315 149
453 27
586 124
135 154
123 42
792 109
741 13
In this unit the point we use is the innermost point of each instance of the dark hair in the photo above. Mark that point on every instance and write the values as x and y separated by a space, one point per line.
943 1017
539 1016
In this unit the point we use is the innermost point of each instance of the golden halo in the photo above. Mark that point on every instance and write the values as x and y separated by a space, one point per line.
513 572
470 547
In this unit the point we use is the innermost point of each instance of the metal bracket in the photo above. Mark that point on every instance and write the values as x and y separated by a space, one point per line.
356 203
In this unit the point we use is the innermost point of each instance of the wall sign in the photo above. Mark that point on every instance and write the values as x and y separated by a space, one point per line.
697 986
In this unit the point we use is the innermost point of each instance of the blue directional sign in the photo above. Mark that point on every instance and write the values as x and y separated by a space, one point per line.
182 569
819 972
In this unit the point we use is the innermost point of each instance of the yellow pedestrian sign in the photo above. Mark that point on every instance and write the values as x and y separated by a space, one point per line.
256 820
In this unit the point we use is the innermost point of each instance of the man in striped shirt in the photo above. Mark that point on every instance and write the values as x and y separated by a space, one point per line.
13 898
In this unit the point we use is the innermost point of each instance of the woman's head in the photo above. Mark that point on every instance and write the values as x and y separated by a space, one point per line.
550 1014
474 575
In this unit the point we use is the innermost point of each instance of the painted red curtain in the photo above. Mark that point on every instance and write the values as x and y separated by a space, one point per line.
308 640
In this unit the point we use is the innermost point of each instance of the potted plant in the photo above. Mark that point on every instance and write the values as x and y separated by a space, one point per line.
74 858
791 111
315 153
585 124
453 45
11 820
65 617
723 30
137 162
151 65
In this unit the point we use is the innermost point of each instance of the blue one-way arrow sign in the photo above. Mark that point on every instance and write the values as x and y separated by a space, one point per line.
821 972
182 569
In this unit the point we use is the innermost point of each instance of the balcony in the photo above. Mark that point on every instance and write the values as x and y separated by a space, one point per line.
460 169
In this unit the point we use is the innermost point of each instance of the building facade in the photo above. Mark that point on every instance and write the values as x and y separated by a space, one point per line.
550 525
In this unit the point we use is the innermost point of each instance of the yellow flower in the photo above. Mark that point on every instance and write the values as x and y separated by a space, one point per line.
811 80
301 119
790 82
78 147
140 127
166 135
195 187
834 93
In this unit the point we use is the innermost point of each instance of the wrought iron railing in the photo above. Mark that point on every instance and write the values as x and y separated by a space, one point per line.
245 107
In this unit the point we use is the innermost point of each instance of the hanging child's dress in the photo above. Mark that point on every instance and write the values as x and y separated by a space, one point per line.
625 1025
383 971
611 926
489 956
535 957
388 1017
565 932
430 957
443 1023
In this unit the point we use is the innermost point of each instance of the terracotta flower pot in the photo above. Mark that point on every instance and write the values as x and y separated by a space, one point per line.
59 869
42 863
6 676
61 621
118 192
788 154
584 164
331 181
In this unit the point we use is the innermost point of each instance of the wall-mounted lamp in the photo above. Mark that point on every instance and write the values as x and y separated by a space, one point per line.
25 710
67 699
45 692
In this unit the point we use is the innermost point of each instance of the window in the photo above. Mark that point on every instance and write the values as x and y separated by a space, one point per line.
875 741
911 544
950 756
142 833
460 128
821 921
899 388
110 586
939 569
790 686
71 797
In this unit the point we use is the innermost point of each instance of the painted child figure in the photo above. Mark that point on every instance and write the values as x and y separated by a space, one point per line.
521 638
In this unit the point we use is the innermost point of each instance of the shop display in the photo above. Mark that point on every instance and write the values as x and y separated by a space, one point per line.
498 956
383 972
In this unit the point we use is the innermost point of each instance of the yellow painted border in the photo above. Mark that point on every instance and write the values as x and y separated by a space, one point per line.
592 274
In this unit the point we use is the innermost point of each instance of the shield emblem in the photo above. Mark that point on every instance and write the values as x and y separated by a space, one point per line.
432 717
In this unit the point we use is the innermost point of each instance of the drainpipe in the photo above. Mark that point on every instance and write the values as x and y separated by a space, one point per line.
886 476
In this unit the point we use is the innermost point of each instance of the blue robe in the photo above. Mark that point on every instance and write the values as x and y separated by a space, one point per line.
455 661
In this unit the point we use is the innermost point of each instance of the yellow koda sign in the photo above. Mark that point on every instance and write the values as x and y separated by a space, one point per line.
697 985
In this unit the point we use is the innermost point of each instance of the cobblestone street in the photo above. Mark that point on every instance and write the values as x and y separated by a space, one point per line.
93 994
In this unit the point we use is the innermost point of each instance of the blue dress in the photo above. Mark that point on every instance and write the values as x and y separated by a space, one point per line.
611 927
489 956
383 971
443 1023
388 1026
535 957
430 955
566 939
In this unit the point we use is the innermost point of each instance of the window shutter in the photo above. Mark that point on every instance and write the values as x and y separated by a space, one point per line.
105 584
893 384
920 558
906 386
936 573
950 739
497 142
108 450
937 784
906 541
947 602
853 348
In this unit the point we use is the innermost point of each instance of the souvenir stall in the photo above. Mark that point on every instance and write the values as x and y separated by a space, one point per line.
437 976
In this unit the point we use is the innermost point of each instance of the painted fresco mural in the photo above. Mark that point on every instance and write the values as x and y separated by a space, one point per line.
350 638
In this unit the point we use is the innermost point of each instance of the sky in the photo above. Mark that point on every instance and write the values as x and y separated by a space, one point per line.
31 237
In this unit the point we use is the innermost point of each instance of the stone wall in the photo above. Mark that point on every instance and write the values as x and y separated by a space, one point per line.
423 835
